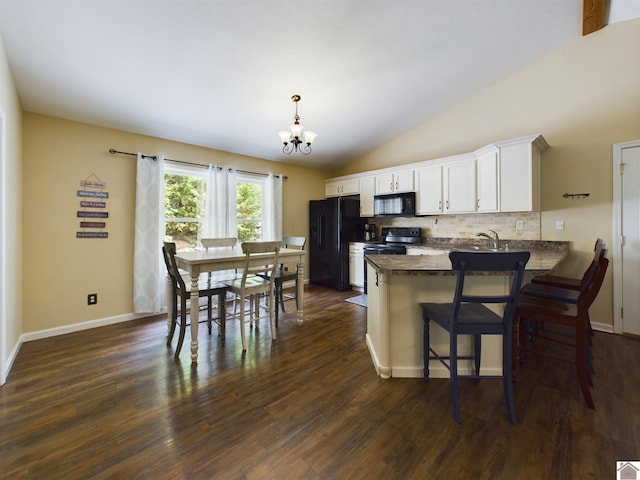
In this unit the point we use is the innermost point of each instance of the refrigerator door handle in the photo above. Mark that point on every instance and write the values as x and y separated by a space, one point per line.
320 237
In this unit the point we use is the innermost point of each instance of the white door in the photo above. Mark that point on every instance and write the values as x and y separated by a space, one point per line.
626 248
4 347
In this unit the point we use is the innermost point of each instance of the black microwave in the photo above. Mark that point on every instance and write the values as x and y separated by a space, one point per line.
395 205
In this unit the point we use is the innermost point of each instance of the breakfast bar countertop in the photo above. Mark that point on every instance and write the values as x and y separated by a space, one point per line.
431 257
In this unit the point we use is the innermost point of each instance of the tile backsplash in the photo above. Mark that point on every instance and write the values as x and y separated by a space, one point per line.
468 225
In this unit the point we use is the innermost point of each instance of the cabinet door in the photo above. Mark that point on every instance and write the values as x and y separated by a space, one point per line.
367 189
403 181
429 190
487 187
350 187
332 189
338 188
519 178
384 183
460 186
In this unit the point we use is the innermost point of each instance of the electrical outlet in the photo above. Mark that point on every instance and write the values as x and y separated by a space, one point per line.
92 299
519 225
559 224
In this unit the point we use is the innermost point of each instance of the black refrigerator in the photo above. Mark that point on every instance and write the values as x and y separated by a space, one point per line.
333 223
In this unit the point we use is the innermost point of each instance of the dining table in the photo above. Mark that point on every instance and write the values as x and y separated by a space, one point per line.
196 262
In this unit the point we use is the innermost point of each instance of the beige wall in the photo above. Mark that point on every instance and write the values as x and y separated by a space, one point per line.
60 270
583 98
10 217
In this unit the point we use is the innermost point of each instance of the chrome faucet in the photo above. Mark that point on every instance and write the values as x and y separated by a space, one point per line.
495 239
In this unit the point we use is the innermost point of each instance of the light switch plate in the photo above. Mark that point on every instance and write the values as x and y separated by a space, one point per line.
559 224
519 225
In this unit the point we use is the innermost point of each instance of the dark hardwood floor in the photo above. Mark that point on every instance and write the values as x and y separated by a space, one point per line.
112 403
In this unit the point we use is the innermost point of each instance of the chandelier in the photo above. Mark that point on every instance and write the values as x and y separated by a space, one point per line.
293 140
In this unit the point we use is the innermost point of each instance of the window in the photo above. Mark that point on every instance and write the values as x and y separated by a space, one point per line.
186 200
249 211
185 194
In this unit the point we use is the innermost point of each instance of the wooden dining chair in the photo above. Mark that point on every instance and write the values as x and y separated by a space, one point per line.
182 289
285 273
257 280
531 310
469 315
220 276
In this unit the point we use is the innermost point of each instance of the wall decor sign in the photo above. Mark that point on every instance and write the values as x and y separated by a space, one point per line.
89 204
92 187
92 235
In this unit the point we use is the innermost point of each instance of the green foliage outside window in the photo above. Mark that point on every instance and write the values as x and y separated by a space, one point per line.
249 211
184 200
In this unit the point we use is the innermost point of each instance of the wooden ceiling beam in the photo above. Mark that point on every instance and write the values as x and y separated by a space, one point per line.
592 15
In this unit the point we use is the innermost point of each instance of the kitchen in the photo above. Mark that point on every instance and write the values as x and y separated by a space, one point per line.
501 177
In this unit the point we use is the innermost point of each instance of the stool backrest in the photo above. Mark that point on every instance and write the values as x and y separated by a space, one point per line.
589 293
512 262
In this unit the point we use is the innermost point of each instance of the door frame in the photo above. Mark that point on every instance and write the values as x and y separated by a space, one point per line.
617 231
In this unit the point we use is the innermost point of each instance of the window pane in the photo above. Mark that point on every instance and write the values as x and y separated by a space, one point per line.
184 196
184 202
249 211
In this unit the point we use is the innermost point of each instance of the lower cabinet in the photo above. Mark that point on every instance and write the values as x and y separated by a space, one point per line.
356 265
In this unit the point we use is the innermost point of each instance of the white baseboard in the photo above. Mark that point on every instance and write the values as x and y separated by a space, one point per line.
77 327
602 327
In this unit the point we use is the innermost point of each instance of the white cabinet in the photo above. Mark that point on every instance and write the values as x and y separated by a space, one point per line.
429 190
488 174
356 265
392 182
520 173
338 188
367 190
459 192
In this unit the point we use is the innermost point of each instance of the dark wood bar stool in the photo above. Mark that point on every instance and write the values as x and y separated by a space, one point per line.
573 315
467 315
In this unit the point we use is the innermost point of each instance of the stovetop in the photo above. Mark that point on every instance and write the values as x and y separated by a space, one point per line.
402 235
396 236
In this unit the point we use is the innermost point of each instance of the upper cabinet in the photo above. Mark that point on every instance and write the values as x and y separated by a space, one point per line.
367 191
429 190
339 188
520 173
393 182
459 192
488 177
500 177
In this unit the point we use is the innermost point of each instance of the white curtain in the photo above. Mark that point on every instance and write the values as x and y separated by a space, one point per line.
221 206
148 265
220 211
272 228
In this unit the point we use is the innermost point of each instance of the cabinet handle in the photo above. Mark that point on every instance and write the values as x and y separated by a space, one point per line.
478 204
440 205
396 185
447 204
391 186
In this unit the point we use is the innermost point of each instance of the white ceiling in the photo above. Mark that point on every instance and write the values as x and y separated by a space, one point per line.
220 73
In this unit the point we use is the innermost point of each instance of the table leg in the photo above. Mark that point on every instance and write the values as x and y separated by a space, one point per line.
300 291
195 311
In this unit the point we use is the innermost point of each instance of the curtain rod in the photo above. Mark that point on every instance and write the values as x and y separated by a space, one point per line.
182 162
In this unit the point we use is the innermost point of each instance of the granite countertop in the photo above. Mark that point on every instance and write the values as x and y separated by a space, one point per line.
431 257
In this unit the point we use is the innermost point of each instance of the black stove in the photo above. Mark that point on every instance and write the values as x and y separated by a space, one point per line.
394 242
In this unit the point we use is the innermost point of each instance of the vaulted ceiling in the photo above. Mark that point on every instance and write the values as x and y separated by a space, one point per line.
221 73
